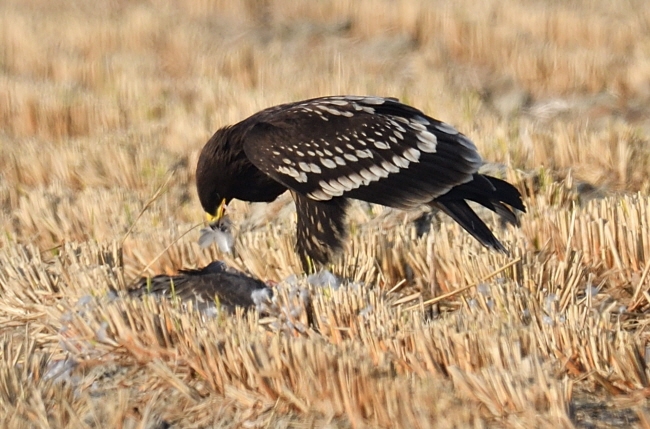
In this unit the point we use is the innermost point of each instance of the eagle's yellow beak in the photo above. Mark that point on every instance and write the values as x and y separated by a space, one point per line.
220 212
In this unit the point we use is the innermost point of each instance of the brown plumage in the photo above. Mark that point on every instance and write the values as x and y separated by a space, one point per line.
206 286
331 149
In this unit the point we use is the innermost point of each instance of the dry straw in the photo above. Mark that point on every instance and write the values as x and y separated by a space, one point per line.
98 104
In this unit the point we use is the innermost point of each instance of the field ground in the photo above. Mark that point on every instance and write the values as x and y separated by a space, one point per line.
104 107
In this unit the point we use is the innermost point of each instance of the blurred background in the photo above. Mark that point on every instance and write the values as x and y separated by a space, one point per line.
104 108
104 103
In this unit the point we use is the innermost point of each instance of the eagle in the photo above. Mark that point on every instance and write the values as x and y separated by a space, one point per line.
329 150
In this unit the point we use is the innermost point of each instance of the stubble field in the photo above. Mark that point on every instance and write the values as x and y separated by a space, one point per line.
104 107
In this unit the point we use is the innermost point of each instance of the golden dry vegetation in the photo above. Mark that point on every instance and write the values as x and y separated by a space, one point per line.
104 107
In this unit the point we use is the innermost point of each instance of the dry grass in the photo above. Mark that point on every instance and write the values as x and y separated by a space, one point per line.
104 104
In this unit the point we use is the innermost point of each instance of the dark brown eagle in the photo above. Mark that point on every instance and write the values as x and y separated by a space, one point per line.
329 150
